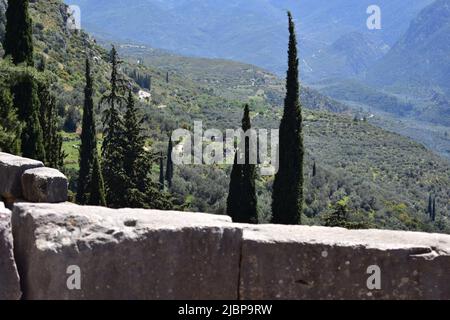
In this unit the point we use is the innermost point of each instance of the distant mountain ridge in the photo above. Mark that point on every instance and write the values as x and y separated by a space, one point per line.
251 31
422 56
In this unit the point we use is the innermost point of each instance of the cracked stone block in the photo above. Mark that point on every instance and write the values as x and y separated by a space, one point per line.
9 278
125 254
304 263
11 170
44 185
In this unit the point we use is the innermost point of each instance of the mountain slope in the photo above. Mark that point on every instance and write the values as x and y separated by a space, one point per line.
421 57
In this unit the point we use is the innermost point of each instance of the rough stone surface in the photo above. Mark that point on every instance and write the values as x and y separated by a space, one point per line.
281 262
9 278
125 254
11 170
44 185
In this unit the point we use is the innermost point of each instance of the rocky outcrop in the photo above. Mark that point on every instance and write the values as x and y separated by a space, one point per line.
147 254
9 278
44 185
125 254
282 262
11 170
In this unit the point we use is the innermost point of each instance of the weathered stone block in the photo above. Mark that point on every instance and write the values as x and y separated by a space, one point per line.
9 278
282 262
125 254
11 170
44 185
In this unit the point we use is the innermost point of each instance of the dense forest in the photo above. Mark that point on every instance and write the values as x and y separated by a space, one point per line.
78 107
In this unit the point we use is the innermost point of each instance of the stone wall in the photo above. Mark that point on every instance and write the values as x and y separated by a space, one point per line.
65 251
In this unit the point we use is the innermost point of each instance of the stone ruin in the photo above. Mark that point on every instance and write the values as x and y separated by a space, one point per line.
52 249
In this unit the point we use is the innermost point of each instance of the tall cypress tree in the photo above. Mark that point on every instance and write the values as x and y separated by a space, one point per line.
161 172
242 201
18 42
96 185
430 206
287 197
113 142
88 147
169 168
48 119
26 101
433 215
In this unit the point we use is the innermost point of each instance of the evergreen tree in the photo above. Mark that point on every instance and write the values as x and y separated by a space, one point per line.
169 167
113 142
96 185
18 41
88 147
27 103
48 120
134 142
10 126
433 215
287 198
234 199
430 206
242 201
161 172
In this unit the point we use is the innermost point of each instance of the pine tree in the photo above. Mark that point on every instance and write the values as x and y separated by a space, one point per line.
18 41
161 172
113 142
96 185
26 101
287 198
141 191
169 167
88 147
242 201
134 141
10 126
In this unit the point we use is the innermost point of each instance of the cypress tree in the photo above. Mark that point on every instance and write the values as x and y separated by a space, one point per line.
27 103
242 201
88 147
113 142
18 41
287 198
161 172
430 206
234 204
433 216
96 185
48 120
10 126
169 167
